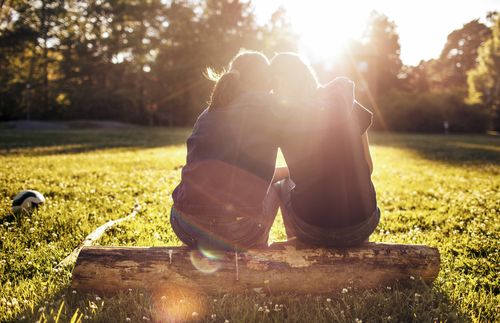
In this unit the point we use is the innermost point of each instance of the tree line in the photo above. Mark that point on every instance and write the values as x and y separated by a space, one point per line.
458 91
143 62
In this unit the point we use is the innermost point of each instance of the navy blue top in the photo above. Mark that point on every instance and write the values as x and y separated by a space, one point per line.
322 146
231 157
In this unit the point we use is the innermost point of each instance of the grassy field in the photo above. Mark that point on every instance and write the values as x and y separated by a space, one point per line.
443 191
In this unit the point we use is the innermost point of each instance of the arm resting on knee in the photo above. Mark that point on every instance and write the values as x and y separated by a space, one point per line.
280 173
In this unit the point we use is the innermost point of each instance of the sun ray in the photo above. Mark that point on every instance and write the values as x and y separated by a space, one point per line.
328 27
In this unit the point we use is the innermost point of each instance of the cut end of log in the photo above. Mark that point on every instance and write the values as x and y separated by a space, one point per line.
279 269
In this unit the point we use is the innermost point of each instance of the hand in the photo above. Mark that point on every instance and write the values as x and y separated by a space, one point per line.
340 93
280 173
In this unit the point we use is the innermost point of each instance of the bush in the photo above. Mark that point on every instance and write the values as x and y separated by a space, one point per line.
427 112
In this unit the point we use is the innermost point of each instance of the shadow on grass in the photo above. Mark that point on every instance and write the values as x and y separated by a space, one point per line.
51 142
449 149
8 217
416 303
11 217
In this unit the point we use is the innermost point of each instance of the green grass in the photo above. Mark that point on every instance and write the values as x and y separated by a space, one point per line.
442 191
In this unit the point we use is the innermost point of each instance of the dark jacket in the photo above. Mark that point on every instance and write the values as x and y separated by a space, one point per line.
323 149
230 160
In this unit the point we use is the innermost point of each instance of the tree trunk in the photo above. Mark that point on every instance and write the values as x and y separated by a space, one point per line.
45 71
278 269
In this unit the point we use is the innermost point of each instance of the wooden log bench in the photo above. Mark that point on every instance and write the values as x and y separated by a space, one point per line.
279 269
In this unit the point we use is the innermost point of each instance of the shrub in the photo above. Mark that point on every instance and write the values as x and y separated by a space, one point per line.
427 112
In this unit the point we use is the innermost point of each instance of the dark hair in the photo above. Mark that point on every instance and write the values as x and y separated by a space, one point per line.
248 71
293 76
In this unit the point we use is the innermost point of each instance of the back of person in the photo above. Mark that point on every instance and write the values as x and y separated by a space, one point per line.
220 202
333 187
328 199
231 159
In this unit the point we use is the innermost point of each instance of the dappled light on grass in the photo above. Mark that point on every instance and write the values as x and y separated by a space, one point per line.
177 304
51 142
450 150
488 148
45 150
416 302
430 190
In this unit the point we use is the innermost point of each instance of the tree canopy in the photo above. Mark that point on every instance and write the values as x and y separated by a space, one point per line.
143 62
137 61
484 78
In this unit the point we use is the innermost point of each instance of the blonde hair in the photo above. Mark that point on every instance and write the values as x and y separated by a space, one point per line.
293 76
248 71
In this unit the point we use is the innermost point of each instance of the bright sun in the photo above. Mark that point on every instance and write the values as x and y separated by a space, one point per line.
325 26
326 29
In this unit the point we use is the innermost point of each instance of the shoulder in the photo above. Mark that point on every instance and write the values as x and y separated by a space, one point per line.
337 97
202 117
203 114
263 99
247 102
259 104
361 109
340 86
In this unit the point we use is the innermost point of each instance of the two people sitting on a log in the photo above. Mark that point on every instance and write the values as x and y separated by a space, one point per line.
231 190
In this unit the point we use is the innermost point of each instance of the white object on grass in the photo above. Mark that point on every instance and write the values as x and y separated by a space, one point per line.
27 201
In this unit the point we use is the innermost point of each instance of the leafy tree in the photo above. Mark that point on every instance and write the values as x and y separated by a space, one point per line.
417 77
278 35
135 61
202 35
459 54
381 53
484 79
29 39
178 68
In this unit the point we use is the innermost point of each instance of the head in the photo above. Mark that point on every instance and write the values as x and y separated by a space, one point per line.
293 77
248 71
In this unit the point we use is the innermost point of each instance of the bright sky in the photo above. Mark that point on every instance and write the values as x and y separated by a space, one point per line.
422 25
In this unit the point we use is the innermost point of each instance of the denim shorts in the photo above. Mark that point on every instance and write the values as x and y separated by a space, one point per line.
222 232
320 236
330 237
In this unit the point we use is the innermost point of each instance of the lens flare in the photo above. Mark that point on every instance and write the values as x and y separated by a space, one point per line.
210 254
205 261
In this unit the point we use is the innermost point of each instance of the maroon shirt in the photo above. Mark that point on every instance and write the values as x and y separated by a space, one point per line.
323 149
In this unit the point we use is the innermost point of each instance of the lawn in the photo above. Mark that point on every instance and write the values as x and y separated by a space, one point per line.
443 191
